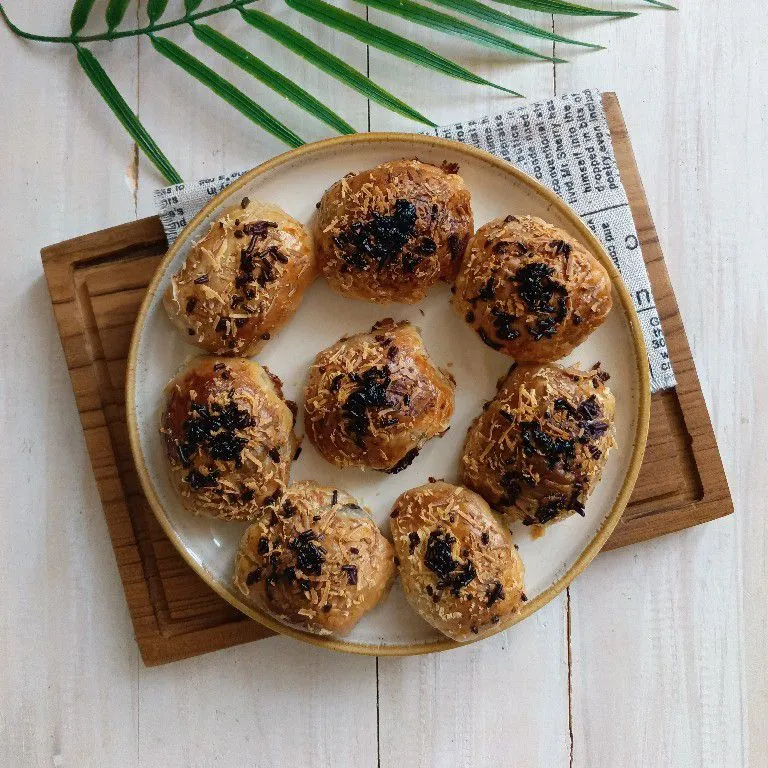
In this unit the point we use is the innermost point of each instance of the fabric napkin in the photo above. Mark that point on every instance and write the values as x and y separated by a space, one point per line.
564 143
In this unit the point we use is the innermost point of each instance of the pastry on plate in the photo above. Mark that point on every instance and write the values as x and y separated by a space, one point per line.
243 280
530 290
374 399
456 559
537 450
391 232
315 560
229 437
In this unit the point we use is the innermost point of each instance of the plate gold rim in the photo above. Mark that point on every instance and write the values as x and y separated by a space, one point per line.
643 403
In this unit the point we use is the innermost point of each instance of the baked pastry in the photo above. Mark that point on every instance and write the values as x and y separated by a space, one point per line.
228 436
538 449
457 563
315 560
374 399
243 280
530 290
391 232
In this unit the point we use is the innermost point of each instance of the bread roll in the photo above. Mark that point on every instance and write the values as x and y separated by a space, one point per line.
456 560
229 437
537 451
243 280
530 290
391 232
374 399
315 560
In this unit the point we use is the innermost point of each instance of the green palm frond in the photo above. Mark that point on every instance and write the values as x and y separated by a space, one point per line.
331 64
225 90
442 22
387 41
325 13
155 9
270 77
81 10
559 7
125 115
115 12
483 12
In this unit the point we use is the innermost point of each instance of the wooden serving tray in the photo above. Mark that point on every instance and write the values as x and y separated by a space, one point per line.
97 283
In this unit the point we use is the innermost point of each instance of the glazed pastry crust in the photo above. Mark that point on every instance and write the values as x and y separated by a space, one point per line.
243 280
538 449
315 560
457 562
408 399
530 290
364 259
228 436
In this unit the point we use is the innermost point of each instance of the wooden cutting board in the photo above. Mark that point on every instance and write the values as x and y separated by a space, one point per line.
97 283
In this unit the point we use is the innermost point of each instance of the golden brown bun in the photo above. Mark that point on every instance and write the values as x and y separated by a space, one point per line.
457 563
374 399
391 232
228 437
530 290
537 451
243 280
315 560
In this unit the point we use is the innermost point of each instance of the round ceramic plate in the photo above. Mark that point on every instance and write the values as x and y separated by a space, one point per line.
296 181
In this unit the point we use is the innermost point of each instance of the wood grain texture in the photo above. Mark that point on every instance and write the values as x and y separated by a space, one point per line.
64 626
482 705
275 702
96 286
667 616
682 482
667 646
97 283
505 701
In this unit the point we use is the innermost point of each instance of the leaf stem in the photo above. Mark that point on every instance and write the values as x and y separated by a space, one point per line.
114 34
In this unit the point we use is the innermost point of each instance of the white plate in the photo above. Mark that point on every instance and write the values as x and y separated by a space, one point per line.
295 181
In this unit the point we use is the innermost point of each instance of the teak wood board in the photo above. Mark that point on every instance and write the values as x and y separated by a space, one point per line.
97 283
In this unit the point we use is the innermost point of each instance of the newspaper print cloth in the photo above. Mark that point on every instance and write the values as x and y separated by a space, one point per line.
565 144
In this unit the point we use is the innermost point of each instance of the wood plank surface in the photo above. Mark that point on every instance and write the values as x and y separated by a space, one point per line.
657 655
97 283
68 680
667 687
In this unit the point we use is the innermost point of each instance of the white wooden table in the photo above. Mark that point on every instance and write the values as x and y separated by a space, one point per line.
656 656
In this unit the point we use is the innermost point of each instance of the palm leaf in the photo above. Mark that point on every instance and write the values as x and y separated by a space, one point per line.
331 64
387 41
415 12
559 7
225 90
482 12
155 9
125 115
270 77
78 18
115 12
442 22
